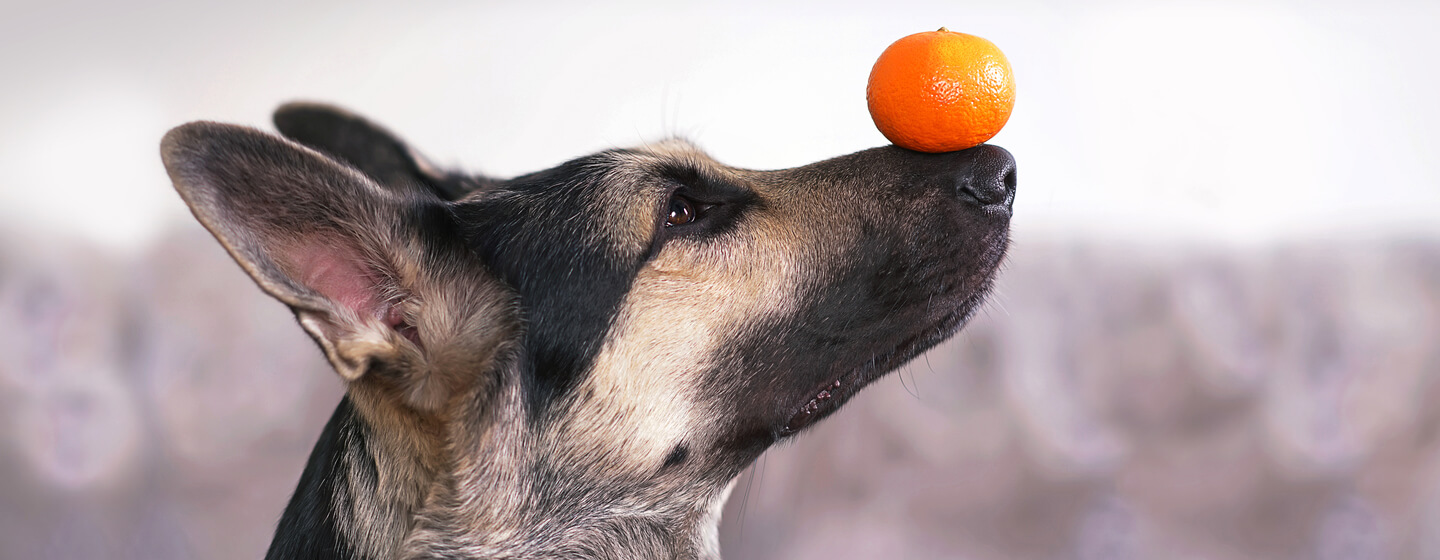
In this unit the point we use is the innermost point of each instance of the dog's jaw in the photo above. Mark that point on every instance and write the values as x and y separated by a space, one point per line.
830 396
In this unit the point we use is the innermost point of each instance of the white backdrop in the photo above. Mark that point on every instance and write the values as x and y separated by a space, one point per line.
1228 121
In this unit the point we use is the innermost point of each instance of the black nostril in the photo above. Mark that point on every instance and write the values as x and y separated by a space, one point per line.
990 178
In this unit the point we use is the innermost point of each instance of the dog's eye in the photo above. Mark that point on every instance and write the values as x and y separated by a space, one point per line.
682 212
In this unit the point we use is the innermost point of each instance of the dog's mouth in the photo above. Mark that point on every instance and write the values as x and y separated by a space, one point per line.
828 397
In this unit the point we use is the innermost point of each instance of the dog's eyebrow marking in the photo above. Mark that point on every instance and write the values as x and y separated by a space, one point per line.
703 183
677 456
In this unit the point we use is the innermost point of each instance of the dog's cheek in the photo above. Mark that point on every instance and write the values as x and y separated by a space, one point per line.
636 400
648 389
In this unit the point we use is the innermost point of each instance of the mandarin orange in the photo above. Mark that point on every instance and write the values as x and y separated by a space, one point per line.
940 91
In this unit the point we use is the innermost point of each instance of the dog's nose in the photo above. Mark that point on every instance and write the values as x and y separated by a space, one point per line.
989 177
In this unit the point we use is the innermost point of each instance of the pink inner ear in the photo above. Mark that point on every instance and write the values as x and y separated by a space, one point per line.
338 272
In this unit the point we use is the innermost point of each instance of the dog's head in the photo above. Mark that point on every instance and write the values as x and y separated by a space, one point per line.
616 336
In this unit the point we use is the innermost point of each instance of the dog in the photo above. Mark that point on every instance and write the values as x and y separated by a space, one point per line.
579 362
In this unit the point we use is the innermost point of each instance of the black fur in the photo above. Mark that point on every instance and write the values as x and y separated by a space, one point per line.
307 529
536 232
370 148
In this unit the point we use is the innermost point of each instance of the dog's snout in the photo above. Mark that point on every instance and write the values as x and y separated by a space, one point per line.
988 178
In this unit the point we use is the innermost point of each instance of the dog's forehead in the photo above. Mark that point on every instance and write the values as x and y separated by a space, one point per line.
628 189
659 159
619 184
674 147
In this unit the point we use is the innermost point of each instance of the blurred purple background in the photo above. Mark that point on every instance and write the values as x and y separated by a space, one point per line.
1215 338
1113 402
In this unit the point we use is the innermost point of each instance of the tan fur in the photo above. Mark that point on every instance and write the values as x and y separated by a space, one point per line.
405 448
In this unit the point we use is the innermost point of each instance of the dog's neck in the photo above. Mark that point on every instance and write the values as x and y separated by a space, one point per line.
364 494
350 503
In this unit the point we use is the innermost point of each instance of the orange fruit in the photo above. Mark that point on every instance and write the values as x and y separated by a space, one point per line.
940 91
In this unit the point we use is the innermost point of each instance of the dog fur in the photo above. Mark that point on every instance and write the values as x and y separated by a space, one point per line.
578 362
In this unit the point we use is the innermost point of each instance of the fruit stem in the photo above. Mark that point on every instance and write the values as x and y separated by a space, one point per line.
943 30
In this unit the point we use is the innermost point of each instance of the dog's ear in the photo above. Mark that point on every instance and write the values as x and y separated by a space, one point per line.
370 148
379 278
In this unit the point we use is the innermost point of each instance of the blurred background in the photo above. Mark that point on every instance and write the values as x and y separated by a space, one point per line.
1215 339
